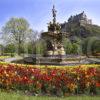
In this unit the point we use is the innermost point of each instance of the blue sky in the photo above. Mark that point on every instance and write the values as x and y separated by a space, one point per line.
38 12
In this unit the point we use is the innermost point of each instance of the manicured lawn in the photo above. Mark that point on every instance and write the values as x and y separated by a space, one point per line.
14 96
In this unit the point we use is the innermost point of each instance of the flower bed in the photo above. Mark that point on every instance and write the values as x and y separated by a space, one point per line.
50 80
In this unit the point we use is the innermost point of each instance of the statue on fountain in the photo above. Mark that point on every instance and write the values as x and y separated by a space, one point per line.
54 37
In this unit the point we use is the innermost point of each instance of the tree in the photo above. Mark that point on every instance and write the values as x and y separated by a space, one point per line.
1 49
33 37
96 47
40 47
10 48
16 30
67 45
75 48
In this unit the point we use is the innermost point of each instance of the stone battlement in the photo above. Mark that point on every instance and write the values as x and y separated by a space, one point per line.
81 18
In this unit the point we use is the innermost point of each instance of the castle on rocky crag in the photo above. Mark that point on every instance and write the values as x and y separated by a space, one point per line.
81 18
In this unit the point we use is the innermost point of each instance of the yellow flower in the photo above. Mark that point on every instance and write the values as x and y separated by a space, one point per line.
87 84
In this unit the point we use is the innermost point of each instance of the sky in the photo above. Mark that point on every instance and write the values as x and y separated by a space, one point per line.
38 12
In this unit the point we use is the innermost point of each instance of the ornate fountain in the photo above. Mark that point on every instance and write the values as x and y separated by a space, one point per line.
54 37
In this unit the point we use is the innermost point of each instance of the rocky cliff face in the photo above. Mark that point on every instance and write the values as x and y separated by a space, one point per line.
79 25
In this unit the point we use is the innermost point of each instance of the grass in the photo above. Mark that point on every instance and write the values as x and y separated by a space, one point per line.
16 96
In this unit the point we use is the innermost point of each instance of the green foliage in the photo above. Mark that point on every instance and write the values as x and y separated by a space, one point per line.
1 49
75 48
72 47
96 47
31 48
36 47
91 45
10 48
16 30
40 47
67 45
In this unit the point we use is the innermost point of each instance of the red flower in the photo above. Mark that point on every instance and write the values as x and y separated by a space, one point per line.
97 84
